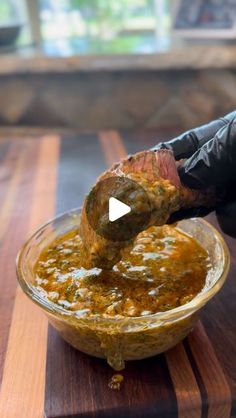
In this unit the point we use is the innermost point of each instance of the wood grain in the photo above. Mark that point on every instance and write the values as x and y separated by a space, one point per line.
12 168
185 385
113 146
200 57
196 379
24 391
17 183
213 377
190 403
81 161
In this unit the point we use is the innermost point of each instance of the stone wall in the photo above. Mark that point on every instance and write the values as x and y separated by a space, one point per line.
116 99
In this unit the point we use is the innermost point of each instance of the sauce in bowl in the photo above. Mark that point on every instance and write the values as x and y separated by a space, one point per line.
127 313
164 269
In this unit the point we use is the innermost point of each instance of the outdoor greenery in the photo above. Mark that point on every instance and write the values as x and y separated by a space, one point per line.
112 7
119 45
96 18
101 26
7 11
112 12
91 26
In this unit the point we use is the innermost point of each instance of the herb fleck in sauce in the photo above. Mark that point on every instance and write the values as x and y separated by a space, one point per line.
164 269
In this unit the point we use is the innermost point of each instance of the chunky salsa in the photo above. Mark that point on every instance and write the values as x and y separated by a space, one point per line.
164 269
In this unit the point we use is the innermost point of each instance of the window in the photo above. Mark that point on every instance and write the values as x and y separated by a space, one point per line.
68 27
13 23
102 26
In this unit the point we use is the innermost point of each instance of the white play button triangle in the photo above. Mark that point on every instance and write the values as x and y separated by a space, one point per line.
117 209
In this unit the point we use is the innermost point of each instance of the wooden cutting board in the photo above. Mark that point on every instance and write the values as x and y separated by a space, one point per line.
185 382
40 374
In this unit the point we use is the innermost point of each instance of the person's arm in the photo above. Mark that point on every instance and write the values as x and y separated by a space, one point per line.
185 145
210 162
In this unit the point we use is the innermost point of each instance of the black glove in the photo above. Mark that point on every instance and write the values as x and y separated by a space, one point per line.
210 153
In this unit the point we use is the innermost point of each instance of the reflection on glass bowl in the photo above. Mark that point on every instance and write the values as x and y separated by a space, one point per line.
129 338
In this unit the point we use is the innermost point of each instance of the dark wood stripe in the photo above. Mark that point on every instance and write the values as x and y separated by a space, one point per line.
4 147
219 318
77 386
217 388
81 162
15 231
142 139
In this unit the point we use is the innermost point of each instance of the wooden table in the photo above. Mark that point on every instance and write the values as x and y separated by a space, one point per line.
41 175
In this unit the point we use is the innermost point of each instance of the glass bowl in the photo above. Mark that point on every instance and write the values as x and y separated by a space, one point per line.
130 338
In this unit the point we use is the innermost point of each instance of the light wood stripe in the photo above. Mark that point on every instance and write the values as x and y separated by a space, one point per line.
8 168
9 192
217 387
107 148
22 392
117 143
112 146
186 388
18 182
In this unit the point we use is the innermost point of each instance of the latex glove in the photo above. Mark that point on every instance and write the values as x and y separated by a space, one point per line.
210 161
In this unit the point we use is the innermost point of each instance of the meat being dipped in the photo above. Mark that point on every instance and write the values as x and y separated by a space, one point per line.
149 183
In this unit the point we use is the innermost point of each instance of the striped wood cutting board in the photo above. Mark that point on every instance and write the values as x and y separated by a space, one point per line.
40 374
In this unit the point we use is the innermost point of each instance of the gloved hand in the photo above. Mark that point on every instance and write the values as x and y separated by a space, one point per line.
210 161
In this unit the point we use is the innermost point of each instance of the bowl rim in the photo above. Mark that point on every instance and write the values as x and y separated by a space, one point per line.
173 314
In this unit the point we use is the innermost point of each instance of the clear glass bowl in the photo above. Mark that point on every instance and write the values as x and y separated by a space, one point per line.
128 338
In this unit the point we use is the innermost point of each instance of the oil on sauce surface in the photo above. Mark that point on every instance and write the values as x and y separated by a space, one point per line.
164 269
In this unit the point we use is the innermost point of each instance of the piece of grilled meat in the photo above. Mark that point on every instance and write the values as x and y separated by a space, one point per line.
156 174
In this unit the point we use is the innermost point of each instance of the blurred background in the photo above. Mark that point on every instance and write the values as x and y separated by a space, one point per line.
68 27
95 64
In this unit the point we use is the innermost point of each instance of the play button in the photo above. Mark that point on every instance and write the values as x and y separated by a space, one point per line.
117 209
